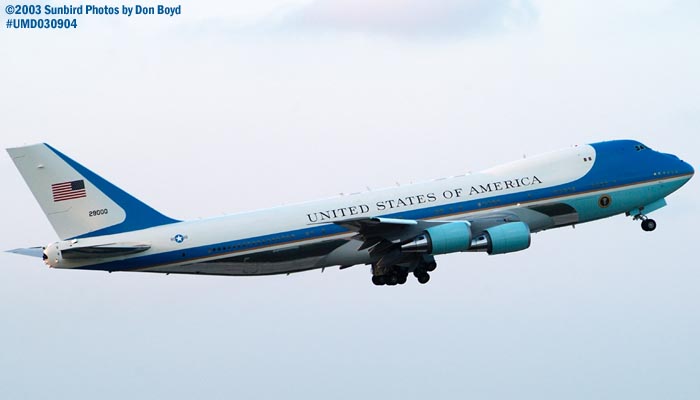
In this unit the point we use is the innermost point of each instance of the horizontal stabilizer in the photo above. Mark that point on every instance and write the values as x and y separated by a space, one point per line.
104 250
31 252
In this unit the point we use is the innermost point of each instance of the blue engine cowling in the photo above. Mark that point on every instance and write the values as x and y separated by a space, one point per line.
505 238
441 239
457 236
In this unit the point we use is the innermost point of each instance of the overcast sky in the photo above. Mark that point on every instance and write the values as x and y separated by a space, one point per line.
234 106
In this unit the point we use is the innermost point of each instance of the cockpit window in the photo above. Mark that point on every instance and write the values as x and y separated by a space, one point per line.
640 147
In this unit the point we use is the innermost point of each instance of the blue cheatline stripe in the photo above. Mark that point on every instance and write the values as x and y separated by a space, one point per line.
230 248
607 173
235 247
138 214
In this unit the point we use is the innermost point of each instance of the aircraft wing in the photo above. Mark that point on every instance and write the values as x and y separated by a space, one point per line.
378 233
358 224
381 234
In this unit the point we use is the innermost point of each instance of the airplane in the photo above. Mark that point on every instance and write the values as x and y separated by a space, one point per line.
397 231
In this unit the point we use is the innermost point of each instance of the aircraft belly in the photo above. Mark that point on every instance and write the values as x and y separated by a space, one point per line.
296 252
619 201
241 268
557 214
279 261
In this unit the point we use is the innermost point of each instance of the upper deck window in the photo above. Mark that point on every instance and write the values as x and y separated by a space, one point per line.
640 147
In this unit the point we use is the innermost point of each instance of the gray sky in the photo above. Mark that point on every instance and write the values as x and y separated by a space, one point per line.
250 104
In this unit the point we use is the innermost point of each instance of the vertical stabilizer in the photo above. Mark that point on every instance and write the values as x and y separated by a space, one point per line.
78 202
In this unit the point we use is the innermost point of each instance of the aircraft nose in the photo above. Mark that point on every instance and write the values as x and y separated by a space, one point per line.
687 168
682 167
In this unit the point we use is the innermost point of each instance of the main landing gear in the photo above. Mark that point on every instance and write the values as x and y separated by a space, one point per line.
421 273
398 275
395 276
422 276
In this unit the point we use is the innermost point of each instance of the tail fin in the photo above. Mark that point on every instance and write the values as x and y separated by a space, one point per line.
78 202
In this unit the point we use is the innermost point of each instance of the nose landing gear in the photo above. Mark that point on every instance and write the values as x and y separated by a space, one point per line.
648 224
639 213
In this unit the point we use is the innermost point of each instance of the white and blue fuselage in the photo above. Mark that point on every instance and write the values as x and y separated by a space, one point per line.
392 229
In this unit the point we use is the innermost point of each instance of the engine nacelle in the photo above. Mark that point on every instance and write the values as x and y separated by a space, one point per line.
441 239
505 238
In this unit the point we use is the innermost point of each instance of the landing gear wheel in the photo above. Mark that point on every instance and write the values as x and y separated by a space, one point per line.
402 278
378 280
648 225
392 279
430 267
423 278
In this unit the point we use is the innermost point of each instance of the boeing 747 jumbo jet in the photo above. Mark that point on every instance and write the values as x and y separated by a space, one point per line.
397 231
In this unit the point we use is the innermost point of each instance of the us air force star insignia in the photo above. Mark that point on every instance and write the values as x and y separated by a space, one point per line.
179 238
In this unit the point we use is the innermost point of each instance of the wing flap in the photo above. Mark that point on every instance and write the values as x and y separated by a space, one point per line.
369 223
379 235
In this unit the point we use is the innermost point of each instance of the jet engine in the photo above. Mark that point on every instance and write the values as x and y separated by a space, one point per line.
441 239
457 236
505 238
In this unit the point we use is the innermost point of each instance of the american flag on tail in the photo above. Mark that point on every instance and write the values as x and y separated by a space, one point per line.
68 190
